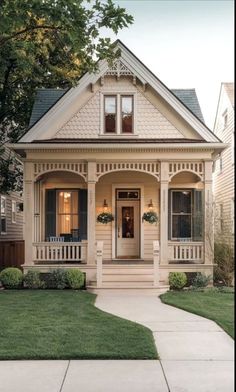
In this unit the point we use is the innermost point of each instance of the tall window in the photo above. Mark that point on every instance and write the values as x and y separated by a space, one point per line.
181 214
13 211
110 107
3 221
127 114
67 212
232 216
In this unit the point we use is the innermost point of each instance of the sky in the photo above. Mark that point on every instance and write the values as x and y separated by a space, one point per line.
185 43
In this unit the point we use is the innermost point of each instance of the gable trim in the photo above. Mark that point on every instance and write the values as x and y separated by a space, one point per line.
65 108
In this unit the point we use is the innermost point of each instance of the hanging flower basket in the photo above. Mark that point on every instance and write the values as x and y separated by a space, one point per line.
105 217
150 217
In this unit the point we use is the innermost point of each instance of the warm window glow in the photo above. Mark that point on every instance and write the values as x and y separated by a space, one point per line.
67 212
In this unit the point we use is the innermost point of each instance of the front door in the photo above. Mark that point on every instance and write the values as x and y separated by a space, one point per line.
128 229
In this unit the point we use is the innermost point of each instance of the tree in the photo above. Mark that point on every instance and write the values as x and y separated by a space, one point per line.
49 43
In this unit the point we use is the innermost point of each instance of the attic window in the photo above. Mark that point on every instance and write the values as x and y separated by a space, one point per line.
110 114
118 114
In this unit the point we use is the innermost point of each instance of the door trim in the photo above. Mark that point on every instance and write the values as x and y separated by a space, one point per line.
141 205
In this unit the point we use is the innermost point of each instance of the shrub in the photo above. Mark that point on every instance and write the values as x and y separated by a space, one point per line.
224 258
201 280
75 278
57 279
11 278
177 280
32 280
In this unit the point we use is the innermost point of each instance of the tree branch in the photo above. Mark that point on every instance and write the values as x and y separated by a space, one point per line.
3 40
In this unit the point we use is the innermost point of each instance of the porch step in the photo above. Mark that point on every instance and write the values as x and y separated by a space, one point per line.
127 290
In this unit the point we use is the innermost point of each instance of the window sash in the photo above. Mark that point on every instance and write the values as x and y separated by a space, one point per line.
110 116
3 218
127 114
67 211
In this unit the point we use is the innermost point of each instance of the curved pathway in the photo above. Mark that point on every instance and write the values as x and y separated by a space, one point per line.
196 355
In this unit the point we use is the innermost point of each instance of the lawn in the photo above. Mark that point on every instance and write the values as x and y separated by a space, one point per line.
54 324
212 304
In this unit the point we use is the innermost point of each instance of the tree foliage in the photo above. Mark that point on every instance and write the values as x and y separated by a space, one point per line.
49 43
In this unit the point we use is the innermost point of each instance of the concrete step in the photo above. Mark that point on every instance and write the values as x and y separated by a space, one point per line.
127 278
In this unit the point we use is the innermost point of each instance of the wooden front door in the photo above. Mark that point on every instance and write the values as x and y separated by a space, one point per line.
128 229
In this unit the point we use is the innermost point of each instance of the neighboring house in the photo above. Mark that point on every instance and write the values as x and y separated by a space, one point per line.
11 226
224 169
122 142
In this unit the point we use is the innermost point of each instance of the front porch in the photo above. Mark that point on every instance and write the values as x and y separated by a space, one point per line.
180 241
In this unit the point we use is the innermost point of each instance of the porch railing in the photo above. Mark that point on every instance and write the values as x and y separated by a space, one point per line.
60 251
189 251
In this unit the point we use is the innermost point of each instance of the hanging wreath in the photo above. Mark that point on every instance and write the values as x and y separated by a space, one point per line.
150 217
105 217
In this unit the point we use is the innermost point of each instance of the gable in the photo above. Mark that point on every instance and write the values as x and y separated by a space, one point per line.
149 121
170 119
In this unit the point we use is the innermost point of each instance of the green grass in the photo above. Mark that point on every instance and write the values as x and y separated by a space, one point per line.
210 303
54 324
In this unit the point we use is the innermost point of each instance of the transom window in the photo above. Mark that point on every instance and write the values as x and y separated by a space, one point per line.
127 194
118 114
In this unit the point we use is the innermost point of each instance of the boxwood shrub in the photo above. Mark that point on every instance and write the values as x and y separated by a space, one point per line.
75 278
177 280
11 278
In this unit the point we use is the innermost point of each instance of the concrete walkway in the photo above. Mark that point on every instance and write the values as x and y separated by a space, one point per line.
196 356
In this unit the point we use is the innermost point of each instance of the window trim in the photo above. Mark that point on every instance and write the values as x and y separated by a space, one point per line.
13 211
104 113
187 239
58 214
118 96
121 114
3 214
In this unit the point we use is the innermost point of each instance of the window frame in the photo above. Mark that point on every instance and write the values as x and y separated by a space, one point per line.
118 96
121 114
3 214
187 239
58 214
104 113
13 211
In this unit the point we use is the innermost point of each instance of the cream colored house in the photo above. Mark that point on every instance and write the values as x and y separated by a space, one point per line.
224 171
119 141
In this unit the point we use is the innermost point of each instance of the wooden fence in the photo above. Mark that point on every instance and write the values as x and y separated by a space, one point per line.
12 254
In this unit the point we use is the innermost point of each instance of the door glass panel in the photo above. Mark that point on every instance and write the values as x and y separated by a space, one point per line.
127 222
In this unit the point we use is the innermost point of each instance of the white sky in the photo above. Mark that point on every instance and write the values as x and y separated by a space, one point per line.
185 43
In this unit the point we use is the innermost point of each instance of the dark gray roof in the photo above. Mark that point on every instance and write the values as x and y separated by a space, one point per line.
46 98
189 98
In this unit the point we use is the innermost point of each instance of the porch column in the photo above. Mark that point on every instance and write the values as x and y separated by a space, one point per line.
28 212
208 215
164 181
91 212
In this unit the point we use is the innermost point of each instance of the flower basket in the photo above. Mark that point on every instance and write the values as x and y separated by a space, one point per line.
150 217
105 217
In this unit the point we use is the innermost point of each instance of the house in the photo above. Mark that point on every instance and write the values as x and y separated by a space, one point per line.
11 225
122 142
224 170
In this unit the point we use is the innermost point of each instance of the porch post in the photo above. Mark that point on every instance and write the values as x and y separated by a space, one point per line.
91 212
208 215
28 212
164 181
